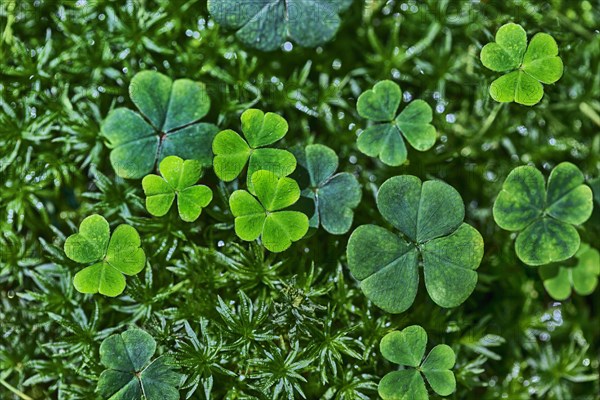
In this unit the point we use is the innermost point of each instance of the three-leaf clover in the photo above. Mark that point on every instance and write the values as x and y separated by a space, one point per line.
178 180
544 216
384 139
110 257
527 66
429 217
263 217
260 130
266 24
407 348
582 277
167 125
130 374
335 195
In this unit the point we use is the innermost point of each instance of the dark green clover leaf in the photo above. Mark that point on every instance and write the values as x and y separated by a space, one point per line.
266 24
407 348
527 66
130 374
260 130
263 217
168 125
544 217
335 195
430 217
110 257
582 277
595 185
178 180
384 139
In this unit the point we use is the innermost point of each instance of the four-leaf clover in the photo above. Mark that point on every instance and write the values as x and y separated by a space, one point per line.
430 217
527 66
178 180
384 139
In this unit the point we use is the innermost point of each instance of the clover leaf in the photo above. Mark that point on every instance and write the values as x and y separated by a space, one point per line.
544 217
263 217
429 216
582 277
384 139
110 257
335 195
266 24
130 374
527 66
260 130
595 185
407 348
178 179
168 125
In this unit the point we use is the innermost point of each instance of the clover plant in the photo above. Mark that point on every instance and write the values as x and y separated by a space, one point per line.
407 348
265 25
168 125
264 215
130 375
544 216
527 67
429 217
178 180
110 256
385 138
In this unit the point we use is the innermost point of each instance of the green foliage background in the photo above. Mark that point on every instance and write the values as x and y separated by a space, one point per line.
64 64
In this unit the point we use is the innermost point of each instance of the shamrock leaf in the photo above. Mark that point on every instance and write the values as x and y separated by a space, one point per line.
595 185
527 66
178 179
262 217
407 348
335 195
430 217
111 257
260 130
583 277
384 139
266 24
130 374
544 217
167 125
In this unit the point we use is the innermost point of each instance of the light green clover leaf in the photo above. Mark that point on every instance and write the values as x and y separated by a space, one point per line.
111 257
178 180
407 348
544 216
430 218
168 125
263 217
130 375
527 66
385 138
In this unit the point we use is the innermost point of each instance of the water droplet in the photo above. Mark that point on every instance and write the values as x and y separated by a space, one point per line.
220 243
11 294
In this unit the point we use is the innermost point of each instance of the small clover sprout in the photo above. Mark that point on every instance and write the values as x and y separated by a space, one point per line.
407 348
265 25
384 139
168 125
430 218
263 217
582 277
544 216
130 374
110 257
335 195
178 180
527 66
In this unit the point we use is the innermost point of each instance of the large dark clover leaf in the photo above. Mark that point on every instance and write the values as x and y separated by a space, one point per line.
430 217
168 125
544 216
130 375
266 24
